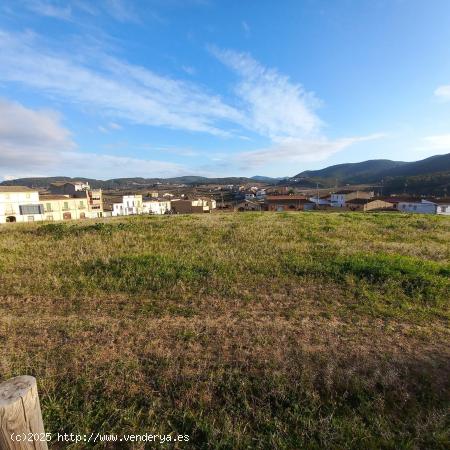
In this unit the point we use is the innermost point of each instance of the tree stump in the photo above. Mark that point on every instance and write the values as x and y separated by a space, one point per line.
21 425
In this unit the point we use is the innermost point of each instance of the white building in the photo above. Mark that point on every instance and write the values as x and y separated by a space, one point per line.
208 204
338 199
320 201
155 207
20 204
425 207
131 205
261 194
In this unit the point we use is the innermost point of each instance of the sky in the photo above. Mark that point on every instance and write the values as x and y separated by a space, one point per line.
161 88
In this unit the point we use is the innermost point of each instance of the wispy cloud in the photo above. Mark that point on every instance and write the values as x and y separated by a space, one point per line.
114 88
189 70
295 151
437 142
246 28
263 102
49 9
274 105
122 10
443 92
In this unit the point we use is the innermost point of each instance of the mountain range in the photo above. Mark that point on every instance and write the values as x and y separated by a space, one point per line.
427 176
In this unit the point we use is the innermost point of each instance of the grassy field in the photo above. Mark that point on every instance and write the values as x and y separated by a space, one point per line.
252 330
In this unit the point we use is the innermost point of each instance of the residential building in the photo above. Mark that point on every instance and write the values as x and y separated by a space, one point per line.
64 207
288 203
425 206
131 205
81 189
261 194
19 204
68 187
367 204
156 206
248 205
200 205
322 201
443 206
340 198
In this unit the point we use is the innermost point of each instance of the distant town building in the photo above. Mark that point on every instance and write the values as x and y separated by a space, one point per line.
248 205
20 204
340 198
320 200
81 190
288 203
68 187
367 204
63 207
193 206
130 205
425 206
156 207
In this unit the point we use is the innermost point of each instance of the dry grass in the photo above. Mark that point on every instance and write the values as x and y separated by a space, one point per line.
299 330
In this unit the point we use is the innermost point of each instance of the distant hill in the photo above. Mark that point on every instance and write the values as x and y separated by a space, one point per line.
133 183
264 179
361 172
427 176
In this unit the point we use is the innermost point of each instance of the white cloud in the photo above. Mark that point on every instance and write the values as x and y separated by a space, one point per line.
284 112
30 138
121 10
274 106
246 28
34 143
437 142
443 92
49 9
264 101
292 151
115 88
114 126
189 70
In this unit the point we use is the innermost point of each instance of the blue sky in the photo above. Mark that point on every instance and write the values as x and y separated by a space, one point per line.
115 88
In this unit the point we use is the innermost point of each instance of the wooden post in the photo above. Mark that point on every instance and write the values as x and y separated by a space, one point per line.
21 426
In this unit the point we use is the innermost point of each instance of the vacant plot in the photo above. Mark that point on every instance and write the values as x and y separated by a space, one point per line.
253 330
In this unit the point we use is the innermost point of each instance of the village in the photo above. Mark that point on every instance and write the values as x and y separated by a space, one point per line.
76 200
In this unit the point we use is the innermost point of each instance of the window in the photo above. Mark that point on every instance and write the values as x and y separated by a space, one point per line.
49 217
66 205
48 206
31 209
81 204
30 218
